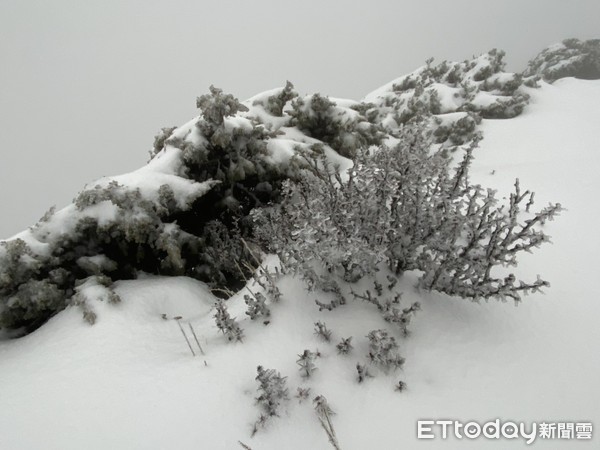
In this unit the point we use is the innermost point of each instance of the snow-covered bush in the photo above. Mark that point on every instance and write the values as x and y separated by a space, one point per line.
94 288
571 58
187 211
275 103
33 301
407 207
113 230
182 214
160 139
451 97
345 129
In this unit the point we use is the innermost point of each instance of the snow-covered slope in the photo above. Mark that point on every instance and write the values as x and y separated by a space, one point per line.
130 381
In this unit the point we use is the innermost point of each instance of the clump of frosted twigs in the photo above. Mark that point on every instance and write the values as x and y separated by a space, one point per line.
227 324
306 361
400 386
389 306
322 331
257 306
363 372
302 394
273 393
410 208
267 280
344 346
383 350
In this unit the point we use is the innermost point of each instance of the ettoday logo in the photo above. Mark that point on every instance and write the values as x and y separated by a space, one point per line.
497 429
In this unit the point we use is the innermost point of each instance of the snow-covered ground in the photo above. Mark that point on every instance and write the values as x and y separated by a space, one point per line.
130 381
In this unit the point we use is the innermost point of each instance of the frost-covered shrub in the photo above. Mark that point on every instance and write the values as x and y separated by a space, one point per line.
362 372
344 346
441 94
322 331
257 305
306 361
389 307
457 132
266 279
183 214
275 103
345 129
18 263
227 324
504 108
216 106
407 207
160 139
302 394
272 395
94 288
383 350
571 58
114 231
34 301
187 211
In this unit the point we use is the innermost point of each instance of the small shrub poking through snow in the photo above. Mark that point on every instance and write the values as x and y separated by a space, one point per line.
363 372
344 346
322 331
273 394
302 394
257 306
306 361
400 386
227 324
383 350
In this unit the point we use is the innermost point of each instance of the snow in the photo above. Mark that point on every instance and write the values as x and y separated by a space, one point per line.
373 96
450 97
484 99
130 381
281 150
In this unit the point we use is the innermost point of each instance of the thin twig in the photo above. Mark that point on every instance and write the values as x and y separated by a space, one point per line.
186 338
245 279
323 414
196 338
225 291
264 269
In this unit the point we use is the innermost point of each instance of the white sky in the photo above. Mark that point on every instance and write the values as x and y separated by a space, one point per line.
85 86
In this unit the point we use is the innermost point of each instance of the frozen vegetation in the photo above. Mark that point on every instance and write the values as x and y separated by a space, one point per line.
309 272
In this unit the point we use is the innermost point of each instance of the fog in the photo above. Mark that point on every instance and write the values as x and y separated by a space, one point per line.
85 86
